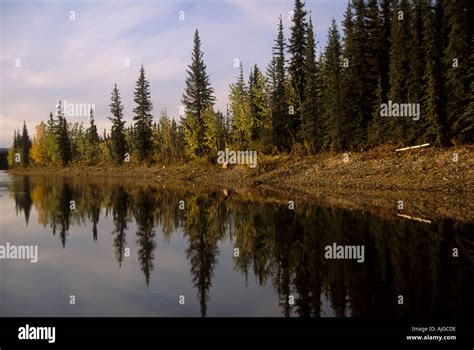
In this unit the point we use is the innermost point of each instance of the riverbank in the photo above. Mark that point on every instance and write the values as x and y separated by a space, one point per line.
426 169
429 181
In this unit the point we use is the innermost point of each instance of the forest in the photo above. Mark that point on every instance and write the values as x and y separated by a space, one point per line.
416 52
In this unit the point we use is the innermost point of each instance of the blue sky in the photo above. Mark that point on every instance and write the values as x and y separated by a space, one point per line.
80 60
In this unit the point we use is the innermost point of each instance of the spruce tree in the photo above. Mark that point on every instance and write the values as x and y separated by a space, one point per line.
259 108
296 67
92 135
117 134
143 118
311 126
281 121
377 132
372 38
198 95
385 44
457 66
25 146
351 84
415 94
434 118
401 35
92 140
335 121
62 135
240 108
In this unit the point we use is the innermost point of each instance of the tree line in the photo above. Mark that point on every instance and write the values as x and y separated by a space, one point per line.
405 52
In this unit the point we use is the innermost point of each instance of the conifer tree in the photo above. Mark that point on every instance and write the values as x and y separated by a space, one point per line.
259 109
117 133
311 121
281 121
457 66
240 108
434 120
198 95
25 146
143 118
332 106
401 35
296 68
62 134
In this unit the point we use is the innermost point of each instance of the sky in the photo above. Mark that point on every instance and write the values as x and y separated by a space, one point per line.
76 51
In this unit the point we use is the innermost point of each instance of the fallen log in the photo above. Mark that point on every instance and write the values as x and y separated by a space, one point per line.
411 147
414 218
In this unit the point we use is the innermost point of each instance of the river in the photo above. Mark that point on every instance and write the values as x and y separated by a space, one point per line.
112 248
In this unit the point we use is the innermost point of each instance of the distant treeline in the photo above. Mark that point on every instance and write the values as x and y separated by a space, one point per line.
3 158
408 55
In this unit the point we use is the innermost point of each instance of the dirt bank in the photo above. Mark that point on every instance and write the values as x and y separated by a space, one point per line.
432 182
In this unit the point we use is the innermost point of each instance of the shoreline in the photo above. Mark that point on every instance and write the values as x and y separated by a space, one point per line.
427 169
427 180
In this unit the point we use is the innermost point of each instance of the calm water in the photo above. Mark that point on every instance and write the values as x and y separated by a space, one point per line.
281 269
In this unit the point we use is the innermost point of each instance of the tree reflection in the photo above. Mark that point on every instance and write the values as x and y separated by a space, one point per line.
276 246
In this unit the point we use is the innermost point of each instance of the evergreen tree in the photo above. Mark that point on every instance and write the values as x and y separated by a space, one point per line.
259 109
198 94
52 140
62 134
457 66
433 102
240 108
296 68
401 35
25 146
373 39
465 125
91 132
143 118
311 126
415 130
332 106
281 122
385 44
92 140
352 85
117 133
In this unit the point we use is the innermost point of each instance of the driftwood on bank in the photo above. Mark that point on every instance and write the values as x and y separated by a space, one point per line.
411 147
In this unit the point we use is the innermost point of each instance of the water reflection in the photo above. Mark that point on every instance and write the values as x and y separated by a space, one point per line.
275 245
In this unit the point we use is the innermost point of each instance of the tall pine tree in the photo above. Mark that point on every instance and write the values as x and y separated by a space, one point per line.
25 146
434 114
335 123
311 125
457 66
142 137
117 133
198 95
281 122
296 67
62 134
